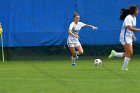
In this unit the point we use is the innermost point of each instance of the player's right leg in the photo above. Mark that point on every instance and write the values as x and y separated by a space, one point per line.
73 53
72 50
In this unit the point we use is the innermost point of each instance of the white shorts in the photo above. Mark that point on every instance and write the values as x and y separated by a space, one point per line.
125 40
74 44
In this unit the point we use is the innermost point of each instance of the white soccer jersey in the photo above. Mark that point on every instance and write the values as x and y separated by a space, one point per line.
75 28
126 34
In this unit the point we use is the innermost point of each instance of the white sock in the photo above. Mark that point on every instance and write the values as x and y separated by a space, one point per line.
126 61
77 53
118 54
73 60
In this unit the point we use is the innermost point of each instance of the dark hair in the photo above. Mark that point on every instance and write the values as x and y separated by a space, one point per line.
75 14
125 12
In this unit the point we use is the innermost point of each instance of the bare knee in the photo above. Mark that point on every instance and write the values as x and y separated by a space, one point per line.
129 55
81 52
128 50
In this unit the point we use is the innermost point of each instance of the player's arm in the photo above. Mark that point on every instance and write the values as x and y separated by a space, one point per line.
93 27
128 24
133 29
70 32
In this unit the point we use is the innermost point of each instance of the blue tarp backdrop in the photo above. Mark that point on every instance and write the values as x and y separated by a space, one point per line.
46 22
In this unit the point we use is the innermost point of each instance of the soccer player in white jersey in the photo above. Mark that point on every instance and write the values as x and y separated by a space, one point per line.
128 16
73 38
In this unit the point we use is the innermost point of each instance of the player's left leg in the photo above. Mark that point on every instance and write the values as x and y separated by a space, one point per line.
128 55
77 53
116 54
80 49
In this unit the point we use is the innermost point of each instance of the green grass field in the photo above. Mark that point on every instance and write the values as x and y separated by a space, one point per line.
60 77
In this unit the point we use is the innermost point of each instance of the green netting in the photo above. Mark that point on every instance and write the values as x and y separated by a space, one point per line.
59 52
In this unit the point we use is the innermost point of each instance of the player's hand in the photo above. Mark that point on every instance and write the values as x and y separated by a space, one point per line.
134 38
76 36
94 28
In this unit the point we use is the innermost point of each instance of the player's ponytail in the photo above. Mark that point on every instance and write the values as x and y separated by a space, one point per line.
125 12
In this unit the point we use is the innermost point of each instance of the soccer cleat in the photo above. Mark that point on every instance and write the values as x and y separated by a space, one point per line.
73 64
125 69
112 54
77 57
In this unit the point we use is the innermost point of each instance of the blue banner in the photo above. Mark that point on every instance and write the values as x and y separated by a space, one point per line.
46 22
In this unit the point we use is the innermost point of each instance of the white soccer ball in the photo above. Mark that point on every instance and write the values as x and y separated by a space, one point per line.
97 62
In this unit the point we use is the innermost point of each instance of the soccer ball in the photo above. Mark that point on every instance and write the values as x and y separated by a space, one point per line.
97 62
